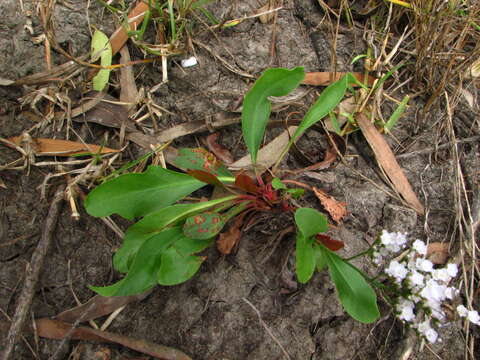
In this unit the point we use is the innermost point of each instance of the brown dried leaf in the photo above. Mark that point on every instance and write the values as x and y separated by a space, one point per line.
386 159
437 253
326 78
336 209
120 36
104 113
220 152
226 241
268 154
98 306
57 147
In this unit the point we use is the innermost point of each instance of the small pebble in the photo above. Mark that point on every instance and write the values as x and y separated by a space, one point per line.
191 61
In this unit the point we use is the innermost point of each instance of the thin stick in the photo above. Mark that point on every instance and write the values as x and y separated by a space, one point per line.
267 328
32 275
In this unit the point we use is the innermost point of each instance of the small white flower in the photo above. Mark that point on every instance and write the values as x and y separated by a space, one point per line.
462 311
431 336
473 317
406 310
416 278
420 247
451 293
452 270
433 292
424 265
397 270
393 242
441 275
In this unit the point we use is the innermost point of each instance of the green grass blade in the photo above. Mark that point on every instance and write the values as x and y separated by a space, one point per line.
392 121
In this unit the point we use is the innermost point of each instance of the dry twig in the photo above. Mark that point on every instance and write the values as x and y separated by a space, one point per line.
32 274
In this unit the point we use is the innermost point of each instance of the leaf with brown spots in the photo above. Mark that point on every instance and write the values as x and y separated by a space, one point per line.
203 226
336 209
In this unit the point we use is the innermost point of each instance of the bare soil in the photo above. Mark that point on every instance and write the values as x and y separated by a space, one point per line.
208 317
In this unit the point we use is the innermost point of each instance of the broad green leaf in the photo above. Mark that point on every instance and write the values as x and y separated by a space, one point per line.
101 47
326 102
356 295
257 107
310 222
176 269
305 258
277 184
203 226
135 195
143 272
154 223
178 263
397 113
201 159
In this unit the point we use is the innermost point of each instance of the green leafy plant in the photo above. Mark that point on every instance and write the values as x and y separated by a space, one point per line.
162 246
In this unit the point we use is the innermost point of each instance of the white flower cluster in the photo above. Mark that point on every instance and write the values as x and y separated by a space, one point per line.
425 287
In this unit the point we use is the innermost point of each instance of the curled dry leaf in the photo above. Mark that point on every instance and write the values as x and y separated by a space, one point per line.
220 152
336 209
57 147
227 240
437 253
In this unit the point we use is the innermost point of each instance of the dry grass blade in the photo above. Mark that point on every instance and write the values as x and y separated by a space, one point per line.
386 159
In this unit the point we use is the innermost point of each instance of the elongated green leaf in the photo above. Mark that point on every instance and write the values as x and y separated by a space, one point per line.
203 226
304 258
135 195
397 113
320 258
200 159
257 107
154 223
101 47
143 272
326 102
356 295
310 222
